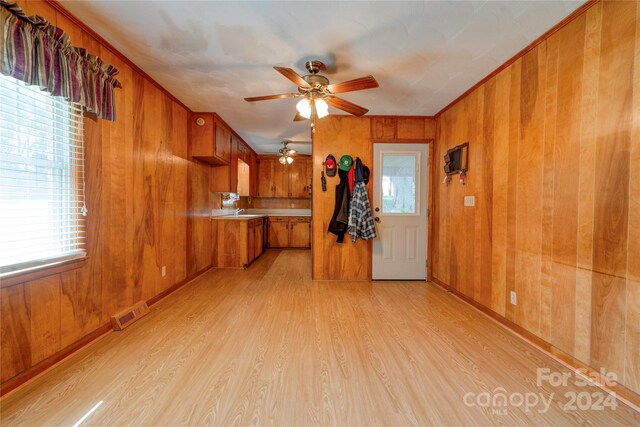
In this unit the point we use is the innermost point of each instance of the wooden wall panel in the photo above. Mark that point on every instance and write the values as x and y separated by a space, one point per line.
15 330
180 135
612 170
339 135
632 355
563 125
140 185
44 296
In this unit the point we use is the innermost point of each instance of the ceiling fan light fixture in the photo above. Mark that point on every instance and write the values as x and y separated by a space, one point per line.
304 107
289 160
282 160
322 108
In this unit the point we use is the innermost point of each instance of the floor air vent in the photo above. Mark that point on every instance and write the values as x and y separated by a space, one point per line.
125 318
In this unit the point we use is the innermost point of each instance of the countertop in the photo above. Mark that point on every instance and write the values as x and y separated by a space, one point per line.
280 212
241 217
258 213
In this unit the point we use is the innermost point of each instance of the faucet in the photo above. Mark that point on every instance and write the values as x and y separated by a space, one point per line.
237 211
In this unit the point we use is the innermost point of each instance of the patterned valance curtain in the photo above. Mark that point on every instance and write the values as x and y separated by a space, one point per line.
37 53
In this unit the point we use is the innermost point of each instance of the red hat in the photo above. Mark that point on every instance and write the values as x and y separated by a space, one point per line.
330 165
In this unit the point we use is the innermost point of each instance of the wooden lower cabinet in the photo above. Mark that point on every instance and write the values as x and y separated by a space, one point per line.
289 232
278 232
300 233
237 242
255 233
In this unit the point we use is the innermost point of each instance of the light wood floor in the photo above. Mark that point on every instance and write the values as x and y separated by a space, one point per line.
269 346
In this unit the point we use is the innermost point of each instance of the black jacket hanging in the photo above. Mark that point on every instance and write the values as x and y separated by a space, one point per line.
340 219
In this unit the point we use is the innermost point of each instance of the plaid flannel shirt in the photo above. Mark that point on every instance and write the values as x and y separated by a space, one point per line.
360 218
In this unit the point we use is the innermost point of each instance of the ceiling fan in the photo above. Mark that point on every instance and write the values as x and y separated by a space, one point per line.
317 93
285 153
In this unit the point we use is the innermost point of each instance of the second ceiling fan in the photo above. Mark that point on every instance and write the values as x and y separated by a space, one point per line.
317 93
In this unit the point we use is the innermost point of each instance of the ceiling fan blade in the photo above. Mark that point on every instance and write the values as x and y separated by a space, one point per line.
293 76
267 97
356 84
298 118
347 106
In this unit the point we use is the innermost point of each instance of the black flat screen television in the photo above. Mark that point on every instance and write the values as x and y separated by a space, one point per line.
455 161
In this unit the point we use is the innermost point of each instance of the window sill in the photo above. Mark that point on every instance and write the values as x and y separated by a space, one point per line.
16 277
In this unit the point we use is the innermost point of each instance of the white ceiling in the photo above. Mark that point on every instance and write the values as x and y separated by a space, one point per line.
212 54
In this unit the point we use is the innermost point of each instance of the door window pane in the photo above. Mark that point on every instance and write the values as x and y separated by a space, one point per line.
399 180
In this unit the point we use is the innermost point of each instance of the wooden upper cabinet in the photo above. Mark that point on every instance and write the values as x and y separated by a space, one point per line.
300 178
224 178
280 180
253 175
265 177
277 180
211 140
244 178
273 178
223 142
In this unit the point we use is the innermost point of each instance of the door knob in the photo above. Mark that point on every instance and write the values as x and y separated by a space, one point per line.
376 219
377 209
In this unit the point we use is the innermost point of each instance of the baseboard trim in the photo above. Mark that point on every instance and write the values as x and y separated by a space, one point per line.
620 392
42 367
162 295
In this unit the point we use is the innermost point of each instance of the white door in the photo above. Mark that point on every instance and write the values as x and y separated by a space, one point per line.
401 181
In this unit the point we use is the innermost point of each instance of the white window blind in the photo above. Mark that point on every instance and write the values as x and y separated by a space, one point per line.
42 205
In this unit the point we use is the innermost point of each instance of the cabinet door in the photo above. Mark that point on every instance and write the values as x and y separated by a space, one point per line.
224 179
257 241
203 137
265 178
298 183
233 165
300 234
223 143
278 233
306 177
251 247
253 175
280 180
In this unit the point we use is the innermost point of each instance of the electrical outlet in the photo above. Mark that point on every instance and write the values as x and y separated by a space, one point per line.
469 200
514 298
164 270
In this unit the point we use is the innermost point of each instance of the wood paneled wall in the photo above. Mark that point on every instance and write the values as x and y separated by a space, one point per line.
139 187
339 135
554 163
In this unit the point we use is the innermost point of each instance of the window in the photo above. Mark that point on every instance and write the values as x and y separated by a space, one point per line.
41 178
399 181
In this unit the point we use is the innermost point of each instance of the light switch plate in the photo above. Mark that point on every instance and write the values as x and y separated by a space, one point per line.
514 298
164 270
469 200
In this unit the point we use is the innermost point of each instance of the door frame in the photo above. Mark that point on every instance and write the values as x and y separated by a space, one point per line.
430 184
